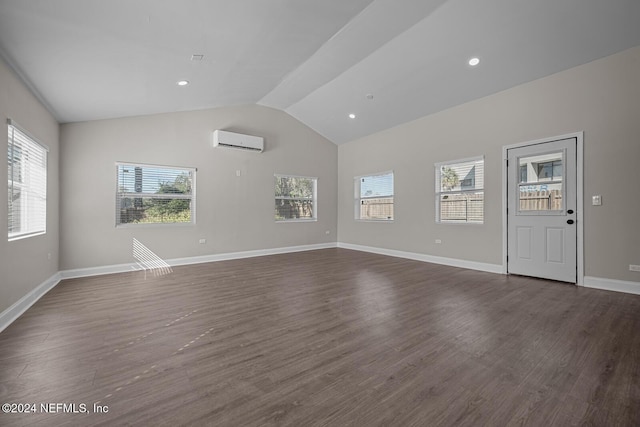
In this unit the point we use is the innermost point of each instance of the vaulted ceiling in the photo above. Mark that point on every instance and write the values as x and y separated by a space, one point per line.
385 61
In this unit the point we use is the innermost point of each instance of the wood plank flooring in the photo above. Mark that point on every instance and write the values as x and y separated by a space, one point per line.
325 338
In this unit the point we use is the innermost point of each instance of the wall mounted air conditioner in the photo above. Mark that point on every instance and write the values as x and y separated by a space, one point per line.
223 138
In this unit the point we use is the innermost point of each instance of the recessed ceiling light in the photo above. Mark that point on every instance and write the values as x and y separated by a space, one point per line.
182 82
474 61
352 116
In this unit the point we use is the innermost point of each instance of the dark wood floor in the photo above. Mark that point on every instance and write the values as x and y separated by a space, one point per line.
329 337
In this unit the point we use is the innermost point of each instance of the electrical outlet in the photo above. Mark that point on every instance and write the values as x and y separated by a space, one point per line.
633 267
596 200
327 232
202 241
438 241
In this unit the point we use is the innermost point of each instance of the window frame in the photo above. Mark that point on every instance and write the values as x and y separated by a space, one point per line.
439 192
313 198
176 196
357 181
34 179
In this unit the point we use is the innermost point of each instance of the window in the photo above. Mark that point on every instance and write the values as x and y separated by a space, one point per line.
27 184
550 171
460 191
148 194
295 198
541 188
374 197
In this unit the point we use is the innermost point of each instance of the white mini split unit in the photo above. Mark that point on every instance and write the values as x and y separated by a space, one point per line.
223 138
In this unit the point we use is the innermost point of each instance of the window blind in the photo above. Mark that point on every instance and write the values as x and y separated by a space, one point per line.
148 194
374 197
27 184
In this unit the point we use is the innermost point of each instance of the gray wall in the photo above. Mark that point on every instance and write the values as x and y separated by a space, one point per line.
601 98
26 263
233 213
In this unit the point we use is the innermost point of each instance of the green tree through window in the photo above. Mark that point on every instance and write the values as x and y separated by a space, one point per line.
295 198
155 195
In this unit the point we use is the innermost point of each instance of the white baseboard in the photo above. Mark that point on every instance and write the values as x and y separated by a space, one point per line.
8 316
248 254
122 268
612 285
98 271
472 265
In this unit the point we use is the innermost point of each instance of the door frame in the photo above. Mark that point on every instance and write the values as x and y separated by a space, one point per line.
579 136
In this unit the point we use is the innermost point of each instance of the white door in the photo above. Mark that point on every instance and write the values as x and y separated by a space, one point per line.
541 217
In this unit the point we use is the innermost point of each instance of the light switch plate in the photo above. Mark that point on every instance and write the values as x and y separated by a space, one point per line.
596 200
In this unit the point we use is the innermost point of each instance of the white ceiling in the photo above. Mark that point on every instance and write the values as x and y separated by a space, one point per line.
316 60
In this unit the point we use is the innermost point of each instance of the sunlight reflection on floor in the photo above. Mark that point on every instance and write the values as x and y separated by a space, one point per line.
149 261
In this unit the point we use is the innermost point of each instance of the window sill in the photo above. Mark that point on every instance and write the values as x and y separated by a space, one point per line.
459 223
155 224
25 236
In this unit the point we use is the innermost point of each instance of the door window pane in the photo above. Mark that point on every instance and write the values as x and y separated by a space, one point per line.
540 187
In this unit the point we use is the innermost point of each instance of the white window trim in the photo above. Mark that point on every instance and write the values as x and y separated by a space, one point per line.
192 197
314 199
357 180
438 193
11 183
27 133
